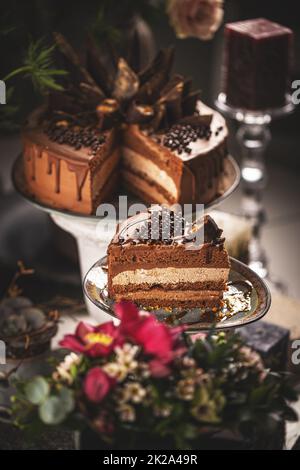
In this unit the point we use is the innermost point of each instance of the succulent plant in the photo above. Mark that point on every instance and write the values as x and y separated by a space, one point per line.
16 302
14 325
35 317
5 312
18 316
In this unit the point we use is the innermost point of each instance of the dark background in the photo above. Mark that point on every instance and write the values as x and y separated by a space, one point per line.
21 21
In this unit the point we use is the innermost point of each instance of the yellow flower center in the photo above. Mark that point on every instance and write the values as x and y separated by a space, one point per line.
98 338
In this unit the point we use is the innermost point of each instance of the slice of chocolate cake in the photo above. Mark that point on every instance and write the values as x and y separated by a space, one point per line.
187 267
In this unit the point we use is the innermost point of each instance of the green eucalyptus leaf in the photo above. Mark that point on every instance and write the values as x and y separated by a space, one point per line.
37 390
67 398
53 411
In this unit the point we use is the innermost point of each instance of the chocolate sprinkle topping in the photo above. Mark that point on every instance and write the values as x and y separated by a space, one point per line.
180 136
163 225
63 132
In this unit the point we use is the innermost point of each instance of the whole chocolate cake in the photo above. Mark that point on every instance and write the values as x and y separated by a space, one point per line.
157 259
147 130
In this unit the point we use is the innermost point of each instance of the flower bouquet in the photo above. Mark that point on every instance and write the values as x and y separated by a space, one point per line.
143 384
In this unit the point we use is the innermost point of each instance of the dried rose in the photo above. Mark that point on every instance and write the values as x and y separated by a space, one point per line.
195 18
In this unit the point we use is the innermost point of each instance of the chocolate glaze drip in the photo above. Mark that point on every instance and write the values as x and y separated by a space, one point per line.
49 171
57 174
162 225
33 166
80 171
81 174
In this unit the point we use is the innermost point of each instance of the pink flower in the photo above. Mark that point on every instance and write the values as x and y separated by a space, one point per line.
93 341
158 368
158 340
97 384
196 18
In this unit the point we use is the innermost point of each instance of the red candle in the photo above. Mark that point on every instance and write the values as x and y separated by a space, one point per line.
257 64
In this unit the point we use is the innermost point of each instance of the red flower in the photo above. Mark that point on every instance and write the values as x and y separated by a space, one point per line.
93 341
97 384
157 339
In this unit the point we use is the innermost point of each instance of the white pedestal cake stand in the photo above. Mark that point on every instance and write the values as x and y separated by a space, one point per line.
91 235
91 243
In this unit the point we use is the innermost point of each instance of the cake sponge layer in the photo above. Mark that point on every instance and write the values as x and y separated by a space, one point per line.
169 276
133 161
157 298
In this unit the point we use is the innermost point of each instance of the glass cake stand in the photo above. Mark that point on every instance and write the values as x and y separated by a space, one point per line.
91 232
253 136
247 300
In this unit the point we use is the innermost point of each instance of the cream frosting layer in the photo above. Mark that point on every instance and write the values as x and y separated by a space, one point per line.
171 275
135 161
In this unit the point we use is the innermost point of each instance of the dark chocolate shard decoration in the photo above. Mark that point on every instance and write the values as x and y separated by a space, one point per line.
74 101
91 93
174 86
197 120
159 113
171 95
108 112
134 52
139 113
210 231
99 71
164 58
126 82
151 99
187 87
156 76
189 102
62 101
72 60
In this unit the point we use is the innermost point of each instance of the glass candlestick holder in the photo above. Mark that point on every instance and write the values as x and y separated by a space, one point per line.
253 136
